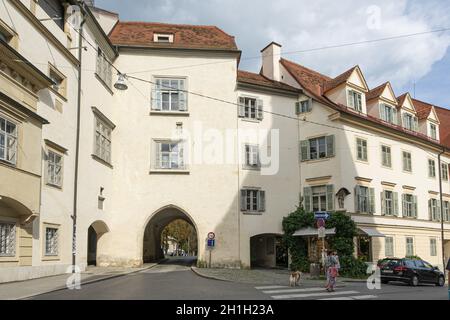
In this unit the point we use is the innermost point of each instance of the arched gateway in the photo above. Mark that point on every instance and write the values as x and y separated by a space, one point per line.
152 247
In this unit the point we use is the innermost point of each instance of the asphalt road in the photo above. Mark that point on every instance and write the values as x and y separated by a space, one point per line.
174 280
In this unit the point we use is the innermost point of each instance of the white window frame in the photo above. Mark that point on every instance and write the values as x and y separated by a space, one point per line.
303 106
410 122
8 242
102 140
252 157
385 155
53 177
431 168
433 247
179 154
51 245
434 210
409 205
407 244
170 87
354 99
253 200
433 131
8 148
391 247
364 149
407 161
444 171
157 37
321 197
388 113
103 68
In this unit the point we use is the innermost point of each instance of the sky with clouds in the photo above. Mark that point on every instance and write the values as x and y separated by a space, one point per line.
300 25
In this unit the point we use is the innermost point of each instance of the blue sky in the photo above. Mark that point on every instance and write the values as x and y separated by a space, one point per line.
300 25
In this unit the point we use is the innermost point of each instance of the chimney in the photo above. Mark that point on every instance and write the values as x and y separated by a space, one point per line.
271 56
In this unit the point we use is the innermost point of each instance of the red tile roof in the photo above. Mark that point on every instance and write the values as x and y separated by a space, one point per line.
401 99
185 36
423 109
444 128
313 83
376 92
340 79
258 79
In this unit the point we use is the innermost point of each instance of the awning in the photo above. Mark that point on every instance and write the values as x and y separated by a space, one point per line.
311 232
370 232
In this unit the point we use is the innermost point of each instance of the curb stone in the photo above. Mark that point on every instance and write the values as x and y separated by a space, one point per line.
198 273
84 283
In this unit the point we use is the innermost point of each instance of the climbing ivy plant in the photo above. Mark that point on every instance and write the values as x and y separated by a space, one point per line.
342 241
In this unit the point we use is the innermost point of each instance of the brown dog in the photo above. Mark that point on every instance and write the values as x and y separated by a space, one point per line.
294 279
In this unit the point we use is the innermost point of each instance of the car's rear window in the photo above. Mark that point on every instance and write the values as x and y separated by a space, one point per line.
391 262
409 264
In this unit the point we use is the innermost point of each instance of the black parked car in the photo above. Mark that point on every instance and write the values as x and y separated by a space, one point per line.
410 271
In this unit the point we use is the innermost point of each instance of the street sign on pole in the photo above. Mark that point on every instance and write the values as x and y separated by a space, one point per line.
322 215
211 243
211 235
321 232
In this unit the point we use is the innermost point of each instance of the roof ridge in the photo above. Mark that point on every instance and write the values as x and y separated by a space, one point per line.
308 69
172 24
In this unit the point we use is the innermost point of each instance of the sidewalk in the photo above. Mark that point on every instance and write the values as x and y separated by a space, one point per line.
30 288
262 277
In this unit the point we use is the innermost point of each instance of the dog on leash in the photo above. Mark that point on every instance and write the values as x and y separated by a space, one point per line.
294 279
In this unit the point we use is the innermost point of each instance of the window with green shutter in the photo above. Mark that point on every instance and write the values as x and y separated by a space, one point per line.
389 246
431 168
407 161
389 203
409 206
364 199
317 148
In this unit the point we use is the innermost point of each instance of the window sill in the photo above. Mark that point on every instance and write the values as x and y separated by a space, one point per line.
12 259
170 171
248 213
250 120
8 164
409 218
104 84
97 158
248 168
317 160
59 95
50 258
54 186
170 113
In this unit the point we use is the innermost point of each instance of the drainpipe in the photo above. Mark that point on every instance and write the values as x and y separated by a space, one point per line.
77 148
441 206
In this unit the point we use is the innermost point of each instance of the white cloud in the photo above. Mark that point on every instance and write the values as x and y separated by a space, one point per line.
300 25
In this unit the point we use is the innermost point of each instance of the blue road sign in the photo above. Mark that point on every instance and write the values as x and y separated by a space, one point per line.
211 243
322 215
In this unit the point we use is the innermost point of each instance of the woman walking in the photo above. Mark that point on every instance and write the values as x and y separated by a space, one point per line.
332 271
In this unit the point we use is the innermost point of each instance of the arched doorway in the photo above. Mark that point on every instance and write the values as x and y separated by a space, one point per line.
268 251
95 232
153 250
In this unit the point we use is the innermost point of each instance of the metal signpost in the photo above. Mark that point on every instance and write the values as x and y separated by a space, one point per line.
211 243
321 218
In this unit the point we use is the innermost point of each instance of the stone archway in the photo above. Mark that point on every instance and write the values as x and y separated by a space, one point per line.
266 251
152 247
95 232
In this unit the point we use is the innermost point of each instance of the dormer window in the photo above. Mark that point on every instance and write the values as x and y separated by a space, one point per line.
433 131
388 113
354 99
163 38
410 122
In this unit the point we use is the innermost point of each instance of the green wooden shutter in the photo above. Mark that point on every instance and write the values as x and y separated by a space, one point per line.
330 146
243 200
330 197
416 124
307 198
157 155
383 203
395 116
350 101
241 107
356 197
260 109
371 200
310 105
404 205
304 150
183 96
156 96
298 109
262 201
395 203
439 210
430 211
415 206
382 112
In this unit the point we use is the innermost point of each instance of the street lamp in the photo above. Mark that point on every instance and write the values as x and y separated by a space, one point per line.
121 83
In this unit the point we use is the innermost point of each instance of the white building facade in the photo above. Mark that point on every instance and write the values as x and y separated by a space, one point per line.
195 138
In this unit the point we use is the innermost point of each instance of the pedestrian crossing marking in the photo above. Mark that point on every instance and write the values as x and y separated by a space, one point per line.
316 294
353 298
293 290
270 287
